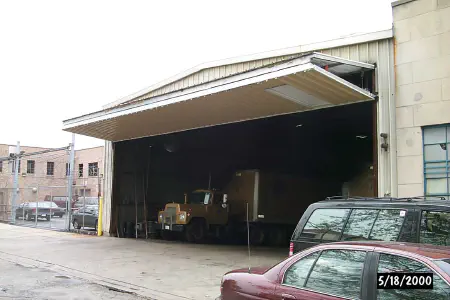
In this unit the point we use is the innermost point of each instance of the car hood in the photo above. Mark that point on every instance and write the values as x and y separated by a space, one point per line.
253 270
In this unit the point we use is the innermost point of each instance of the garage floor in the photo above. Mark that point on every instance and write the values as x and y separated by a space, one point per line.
155 269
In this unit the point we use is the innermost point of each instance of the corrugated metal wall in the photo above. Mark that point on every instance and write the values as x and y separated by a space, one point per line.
367 52
211 74
379 53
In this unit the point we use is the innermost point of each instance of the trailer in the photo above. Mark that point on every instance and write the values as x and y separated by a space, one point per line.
268 205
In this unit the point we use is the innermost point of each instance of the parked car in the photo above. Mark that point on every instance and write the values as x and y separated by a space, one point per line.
84 202
30 210
343 270
55 209
85 217
61 201
416 220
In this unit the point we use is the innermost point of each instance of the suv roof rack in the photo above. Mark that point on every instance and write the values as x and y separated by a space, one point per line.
408 199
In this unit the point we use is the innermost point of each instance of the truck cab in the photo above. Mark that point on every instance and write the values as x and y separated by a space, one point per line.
202 211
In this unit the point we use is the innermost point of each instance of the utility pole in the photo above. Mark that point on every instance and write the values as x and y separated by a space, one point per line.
15 183
70 181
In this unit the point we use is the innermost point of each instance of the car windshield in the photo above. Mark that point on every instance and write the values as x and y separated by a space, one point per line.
59 198
444 264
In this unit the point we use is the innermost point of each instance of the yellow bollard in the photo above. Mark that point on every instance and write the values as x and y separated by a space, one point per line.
100 217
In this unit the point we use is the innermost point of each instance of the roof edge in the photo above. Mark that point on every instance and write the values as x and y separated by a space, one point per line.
343 41
400 2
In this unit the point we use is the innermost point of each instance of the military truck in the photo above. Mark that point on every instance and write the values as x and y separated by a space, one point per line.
272 204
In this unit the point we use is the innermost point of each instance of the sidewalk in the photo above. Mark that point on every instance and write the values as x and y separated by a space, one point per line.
156 269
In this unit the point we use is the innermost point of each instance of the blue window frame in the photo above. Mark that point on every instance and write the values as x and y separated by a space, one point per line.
436 163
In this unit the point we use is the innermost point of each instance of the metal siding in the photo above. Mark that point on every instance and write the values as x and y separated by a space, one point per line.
246 66
386 116
381 53
354 52
365 52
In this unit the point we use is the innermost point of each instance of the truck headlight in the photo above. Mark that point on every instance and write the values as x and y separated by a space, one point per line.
182 216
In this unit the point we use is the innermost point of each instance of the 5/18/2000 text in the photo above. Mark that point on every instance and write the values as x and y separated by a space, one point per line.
405 280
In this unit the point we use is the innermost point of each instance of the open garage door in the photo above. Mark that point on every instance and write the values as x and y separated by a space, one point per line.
310 82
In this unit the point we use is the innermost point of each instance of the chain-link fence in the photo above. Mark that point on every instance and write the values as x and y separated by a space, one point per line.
44 184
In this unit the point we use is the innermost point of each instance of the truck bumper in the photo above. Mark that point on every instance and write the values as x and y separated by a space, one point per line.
173 227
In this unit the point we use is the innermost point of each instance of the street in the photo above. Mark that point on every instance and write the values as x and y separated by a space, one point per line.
28 282
156 269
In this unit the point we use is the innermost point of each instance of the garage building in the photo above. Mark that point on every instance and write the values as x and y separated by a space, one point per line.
322 111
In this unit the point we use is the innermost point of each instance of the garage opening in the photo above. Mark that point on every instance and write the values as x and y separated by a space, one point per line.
331 148
234 153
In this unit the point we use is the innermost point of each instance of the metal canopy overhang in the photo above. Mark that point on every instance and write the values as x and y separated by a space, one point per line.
298 85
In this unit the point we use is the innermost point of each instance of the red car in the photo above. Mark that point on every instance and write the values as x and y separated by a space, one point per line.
345 270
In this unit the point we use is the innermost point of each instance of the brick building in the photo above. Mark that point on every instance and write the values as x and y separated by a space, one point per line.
47 174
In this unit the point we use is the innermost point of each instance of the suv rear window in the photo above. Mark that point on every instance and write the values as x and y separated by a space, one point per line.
327 224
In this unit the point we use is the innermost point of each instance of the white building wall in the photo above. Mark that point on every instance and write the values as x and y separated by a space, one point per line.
107 187
422 41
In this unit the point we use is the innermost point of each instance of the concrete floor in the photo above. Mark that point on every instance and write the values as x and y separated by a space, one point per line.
151 268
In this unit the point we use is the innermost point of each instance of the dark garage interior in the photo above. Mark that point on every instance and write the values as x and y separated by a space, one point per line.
333 146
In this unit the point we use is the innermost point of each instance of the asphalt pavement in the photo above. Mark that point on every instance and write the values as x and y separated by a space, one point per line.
19 281
163 270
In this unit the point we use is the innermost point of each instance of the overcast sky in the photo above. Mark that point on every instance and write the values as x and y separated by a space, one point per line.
60 59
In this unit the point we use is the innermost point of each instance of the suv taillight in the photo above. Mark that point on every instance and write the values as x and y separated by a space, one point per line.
291 249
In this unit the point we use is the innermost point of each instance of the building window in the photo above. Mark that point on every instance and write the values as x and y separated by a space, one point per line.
14 166
436 143
50 168
93 169
1 166
80 170
30 166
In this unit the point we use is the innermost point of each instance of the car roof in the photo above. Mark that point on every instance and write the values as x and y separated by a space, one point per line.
429 251
382 202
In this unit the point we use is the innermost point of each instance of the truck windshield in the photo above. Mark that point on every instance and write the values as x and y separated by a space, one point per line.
199 197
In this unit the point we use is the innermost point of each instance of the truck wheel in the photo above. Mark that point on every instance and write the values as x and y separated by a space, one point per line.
167 235
256 236
195 231
76 225
27 217
277 237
